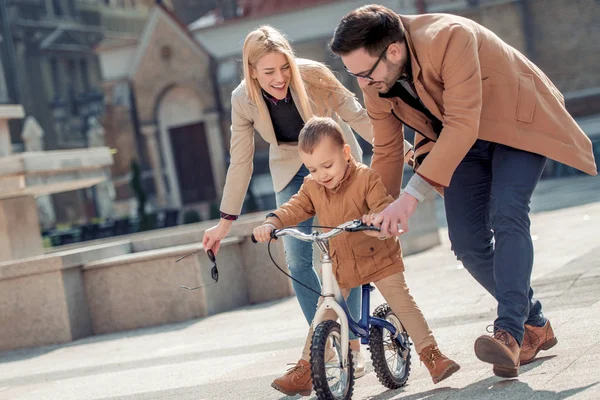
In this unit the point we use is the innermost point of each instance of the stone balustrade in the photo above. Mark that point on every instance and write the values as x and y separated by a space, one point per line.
132 281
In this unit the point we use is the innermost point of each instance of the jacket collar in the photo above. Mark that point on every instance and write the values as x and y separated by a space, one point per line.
413 69
275 101
350 170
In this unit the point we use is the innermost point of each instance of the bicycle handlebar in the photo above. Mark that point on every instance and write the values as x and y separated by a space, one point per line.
350 226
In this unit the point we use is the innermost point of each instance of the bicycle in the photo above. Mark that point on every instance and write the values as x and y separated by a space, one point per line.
329 334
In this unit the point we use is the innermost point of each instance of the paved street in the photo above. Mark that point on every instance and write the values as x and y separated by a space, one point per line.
236 355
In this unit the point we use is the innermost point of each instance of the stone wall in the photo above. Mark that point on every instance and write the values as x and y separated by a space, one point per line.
133 281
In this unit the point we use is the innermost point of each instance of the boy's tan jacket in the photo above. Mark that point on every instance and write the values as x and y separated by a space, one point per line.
480 88
284 161
357 258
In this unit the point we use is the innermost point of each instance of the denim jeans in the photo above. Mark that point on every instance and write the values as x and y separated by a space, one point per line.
299 256
487 208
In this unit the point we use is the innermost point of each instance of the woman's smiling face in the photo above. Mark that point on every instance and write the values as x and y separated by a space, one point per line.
272 71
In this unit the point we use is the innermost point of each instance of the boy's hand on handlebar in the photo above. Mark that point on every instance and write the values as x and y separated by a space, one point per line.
368 219
263 233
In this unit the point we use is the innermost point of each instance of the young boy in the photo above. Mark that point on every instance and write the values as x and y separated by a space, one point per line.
338 190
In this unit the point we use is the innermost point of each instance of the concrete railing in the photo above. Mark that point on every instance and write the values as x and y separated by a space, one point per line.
133 281
41 302
143 289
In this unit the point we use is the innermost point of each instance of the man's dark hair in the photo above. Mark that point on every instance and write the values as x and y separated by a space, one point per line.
371 27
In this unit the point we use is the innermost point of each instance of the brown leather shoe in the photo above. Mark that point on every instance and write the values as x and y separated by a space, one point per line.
501 350
536 338
440 367
296 380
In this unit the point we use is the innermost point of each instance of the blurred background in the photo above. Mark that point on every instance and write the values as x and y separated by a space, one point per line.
152 81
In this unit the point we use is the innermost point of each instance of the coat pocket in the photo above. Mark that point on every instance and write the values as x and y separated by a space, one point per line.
526 98
370 256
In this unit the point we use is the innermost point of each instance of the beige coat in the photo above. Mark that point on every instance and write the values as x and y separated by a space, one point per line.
357 258
480 88
284 160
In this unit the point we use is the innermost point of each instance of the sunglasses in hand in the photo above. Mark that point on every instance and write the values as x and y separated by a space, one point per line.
214 272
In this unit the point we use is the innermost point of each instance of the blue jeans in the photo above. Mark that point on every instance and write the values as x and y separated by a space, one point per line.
299 256
487 208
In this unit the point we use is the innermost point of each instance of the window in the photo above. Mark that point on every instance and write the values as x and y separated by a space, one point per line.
57 7
56 87
85 76
72 8
71 86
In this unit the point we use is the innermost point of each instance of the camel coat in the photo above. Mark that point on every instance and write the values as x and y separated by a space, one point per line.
479 87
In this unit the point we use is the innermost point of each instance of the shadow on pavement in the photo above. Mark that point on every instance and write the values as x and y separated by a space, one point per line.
491 388
27 353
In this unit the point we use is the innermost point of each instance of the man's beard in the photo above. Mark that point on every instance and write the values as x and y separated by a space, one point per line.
396 72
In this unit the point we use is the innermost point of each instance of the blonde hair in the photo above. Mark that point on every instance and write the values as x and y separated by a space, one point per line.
312 81
324 90
316 130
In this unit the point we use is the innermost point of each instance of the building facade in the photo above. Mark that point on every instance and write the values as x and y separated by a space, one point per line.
162 77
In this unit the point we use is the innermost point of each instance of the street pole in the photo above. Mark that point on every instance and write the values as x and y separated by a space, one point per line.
528 29
13 75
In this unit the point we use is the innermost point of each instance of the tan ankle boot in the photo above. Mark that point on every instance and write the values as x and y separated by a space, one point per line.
502 350
536 339
440 367
297 380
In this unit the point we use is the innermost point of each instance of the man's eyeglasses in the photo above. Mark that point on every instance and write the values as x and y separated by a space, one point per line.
214 272
367 75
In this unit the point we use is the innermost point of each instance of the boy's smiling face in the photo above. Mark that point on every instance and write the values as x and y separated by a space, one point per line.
328 162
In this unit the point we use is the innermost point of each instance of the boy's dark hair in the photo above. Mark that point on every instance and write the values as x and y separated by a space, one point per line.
317 129
372 27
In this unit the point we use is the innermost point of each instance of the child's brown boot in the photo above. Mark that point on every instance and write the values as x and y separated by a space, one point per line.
296 380
440 367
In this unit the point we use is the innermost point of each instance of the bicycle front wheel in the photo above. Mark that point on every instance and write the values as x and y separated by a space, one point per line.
331 379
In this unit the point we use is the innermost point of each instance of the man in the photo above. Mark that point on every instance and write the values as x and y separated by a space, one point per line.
485 118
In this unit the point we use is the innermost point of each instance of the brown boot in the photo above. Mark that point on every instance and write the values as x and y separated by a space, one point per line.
536 338
296 380
501 350
440 367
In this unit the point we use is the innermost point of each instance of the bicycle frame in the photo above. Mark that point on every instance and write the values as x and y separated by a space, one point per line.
332 295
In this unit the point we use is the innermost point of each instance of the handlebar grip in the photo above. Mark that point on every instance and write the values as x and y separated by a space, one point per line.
273 236
364 227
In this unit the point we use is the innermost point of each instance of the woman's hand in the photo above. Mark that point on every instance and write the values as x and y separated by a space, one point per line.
213 236
263 233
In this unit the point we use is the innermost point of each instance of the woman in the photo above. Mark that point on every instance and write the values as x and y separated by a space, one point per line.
278 94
